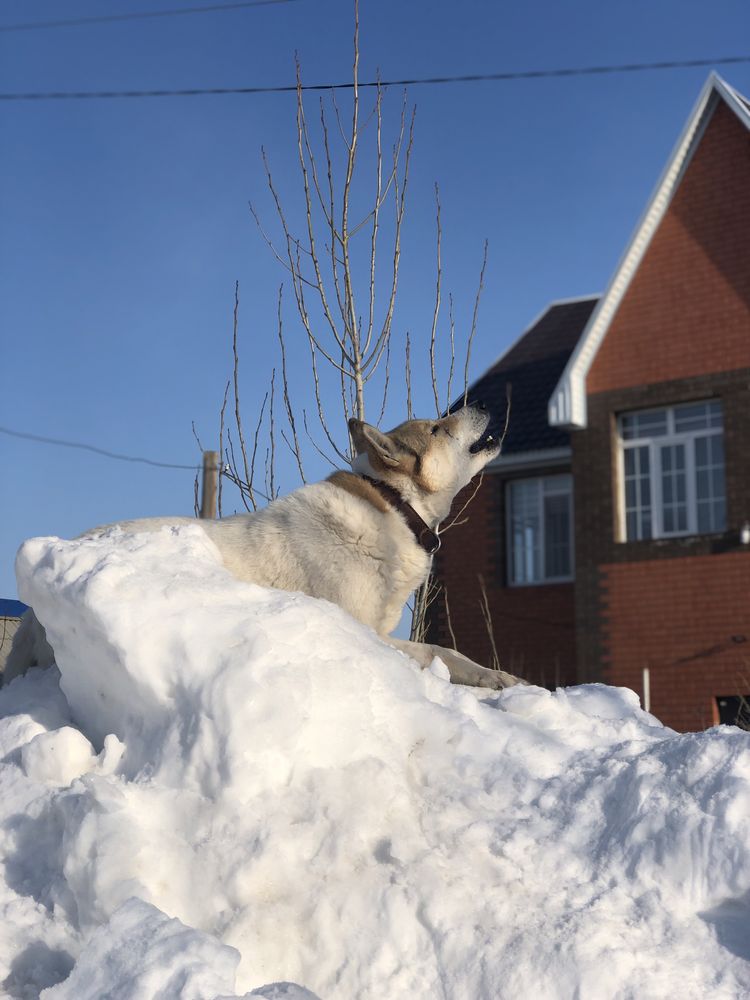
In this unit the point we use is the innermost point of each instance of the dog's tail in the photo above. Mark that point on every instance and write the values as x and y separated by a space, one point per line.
29 648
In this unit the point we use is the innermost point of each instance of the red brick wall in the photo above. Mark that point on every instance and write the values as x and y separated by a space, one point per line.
687 310
688 620
533 627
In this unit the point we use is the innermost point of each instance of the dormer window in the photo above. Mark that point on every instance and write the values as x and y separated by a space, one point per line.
672 471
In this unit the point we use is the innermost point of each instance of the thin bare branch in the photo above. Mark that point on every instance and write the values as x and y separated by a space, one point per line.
250 479
319 402
221 443
270 244
336 262
508 399
319 285
295 448
241 485
409 407
387 380
452 340
424 597
474 321
487 617
400 204
350 311
233 473
195 435
327 211
342 133
436 310
271 451
315 444
236 379
455 520
448 619
375 216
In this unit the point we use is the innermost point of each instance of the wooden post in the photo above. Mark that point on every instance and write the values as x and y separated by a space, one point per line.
210 480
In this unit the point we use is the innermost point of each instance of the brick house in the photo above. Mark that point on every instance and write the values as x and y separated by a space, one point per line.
612 534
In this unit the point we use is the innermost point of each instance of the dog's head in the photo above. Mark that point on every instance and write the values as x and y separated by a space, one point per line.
428 461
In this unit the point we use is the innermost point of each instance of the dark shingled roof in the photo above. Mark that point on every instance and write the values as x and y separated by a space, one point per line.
532 368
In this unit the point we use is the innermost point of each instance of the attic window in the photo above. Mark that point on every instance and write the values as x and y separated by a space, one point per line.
672 471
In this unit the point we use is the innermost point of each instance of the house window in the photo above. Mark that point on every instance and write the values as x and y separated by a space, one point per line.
540 529
673 471
733 710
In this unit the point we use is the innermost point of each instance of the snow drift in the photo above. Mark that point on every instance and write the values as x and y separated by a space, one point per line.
230 789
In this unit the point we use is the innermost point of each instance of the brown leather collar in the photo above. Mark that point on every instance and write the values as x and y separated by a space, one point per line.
423 533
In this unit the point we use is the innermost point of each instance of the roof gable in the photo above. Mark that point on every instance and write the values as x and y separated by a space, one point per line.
567 402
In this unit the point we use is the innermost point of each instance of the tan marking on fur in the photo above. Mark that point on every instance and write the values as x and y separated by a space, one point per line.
359 487
413 441
417 437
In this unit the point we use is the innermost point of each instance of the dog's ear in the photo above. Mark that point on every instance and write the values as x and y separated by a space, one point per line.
377 446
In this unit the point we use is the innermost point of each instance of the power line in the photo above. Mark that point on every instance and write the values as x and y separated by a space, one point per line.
59 442
137 15
534 74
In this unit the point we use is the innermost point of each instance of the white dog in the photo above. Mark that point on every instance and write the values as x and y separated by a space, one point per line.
362 539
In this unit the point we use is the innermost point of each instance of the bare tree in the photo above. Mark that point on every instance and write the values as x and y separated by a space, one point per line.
342 259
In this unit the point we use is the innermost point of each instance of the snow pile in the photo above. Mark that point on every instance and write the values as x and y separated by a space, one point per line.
230 789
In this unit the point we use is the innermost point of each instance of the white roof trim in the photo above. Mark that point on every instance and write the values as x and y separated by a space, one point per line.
567 404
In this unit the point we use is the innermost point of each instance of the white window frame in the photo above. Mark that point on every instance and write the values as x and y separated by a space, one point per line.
558 484
654 444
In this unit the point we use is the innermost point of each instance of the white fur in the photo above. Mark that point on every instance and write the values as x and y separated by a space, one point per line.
330 542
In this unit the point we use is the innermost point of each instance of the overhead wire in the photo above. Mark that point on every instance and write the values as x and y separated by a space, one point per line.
504 76
62 443
137 15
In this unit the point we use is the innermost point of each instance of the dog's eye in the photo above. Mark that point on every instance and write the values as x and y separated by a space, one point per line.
435 428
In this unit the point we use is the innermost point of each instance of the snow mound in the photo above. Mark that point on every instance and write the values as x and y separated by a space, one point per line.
226 786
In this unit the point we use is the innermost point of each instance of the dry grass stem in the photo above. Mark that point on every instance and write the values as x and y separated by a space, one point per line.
487 617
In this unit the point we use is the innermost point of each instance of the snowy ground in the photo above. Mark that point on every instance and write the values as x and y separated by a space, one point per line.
229 789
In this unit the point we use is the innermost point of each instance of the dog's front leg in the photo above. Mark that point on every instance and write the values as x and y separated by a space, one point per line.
461 668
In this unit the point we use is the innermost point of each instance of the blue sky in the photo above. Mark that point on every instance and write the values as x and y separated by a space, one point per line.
125 224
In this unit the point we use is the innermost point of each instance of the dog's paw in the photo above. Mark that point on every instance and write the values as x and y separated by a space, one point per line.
498 680
465 671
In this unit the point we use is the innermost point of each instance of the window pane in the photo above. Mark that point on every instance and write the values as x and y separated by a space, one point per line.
630 493
688 482
557 536
525 529
557 484
631 525
637 493
697 416
644 424
709 483
673 488
539 528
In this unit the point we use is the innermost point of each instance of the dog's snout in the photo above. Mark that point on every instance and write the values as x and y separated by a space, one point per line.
479 404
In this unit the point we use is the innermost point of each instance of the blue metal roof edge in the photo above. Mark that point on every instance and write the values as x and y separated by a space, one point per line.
10 608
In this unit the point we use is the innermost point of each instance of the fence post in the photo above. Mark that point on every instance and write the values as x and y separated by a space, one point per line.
210 480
